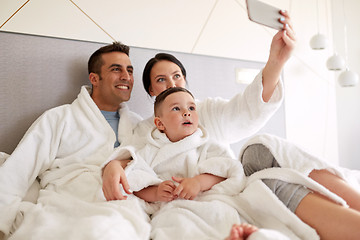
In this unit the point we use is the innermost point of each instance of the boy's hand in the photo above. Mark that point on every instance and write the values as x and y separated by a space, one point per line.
188 188
165 190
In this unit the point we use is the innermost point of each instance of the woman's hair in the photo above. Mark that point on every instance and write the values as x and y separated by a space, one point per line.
150 64
95 61
162 96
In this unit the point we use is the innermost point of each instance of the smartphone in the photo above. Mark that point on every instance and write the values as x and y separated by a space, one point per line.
264 14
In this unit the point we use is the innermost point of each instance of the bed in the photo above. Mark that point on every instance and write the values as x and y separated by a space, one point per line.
39 73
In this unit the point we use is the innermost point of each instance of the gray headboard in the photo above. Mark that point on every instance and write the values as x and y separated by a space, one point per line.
38 73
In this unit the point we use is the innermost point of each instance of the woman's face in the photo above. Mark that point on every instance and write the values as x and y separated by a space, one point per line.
164 75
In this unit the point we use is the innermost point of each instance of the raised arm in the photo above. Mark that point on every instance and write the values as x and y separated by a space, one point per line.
282 45
230 121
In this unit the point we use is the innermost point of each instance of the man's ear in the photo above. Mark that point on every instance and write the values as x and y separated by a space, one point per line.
94 78
159 124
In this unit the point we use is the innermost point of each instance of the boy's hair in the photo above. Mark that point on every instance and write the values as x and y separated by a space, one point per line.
95 61
162 96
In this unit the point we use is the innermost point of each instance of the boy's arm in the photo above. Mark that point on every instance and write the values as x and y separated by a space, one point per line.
148 194
162 192
189 188
207 181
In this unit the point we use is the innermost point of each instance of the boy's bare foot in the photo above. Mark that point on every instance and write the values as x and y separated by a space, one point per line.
241 231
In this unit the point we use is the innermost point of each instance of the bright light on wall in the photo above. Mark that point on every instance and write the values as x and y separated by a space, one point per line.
245 75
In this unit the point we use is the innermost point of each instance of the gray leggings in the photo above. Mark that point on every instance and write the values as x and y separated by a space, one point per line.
257 157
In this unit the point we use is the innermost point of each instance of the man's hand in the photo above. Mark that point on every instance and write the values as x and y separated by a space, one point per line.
113 175
188 188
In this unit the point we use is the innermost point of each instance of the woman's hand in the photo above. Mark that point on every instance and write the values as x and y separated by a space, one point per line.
282 46
283 42
113 175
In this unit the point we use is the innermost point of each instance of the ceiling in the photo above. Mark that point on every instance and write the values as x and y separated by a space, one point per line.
210 27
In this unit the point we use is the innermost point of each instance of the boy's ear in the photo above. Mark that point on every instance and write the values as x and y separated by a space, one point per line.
159 124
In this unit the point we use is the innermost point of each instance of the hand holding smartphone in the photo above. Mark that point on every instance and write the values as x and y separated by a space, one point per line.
264 14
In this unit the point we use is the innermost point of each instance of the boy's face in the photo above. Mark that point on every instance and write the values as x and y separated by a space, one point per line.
177 116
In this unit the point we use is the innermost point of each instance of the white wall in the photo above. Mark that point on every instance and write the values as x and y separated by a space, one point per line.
320 116
310 88
348 99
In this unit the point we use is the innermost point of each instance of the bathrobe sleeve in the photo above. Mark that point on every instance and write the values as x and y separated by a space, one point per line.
138 171
33 155
62 140
292 156
137 141
229 121
216 160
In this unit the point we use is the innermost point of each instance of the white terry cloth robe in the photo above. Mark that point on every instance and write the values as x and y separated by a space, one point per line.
228 121
291 156
209 215
296 164
64 149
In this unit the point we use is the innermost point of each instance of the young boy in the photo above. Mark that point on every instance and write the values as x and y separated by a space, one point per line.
176 120
178 164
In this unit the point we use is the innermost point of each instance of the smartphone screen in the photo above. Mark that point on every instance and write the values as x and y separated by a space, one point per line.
264 14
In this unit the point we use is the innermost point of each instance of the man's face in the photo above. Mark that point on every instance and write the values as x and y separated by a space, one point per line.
115 82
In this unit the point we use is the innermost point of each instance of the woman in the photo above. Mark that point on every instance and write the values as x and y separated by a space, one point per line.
165 71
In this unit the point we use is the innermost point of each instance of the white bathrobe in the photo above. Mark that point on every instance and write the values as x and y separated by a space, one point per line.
264 208
212 213
65 148
160 159
296 164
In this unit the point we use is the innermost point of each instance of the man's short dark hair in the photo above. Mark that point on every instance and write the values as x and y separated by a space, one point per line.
96 61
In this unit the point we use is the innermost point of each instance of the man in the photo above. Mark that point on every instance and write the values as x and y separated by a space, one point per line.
65 149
